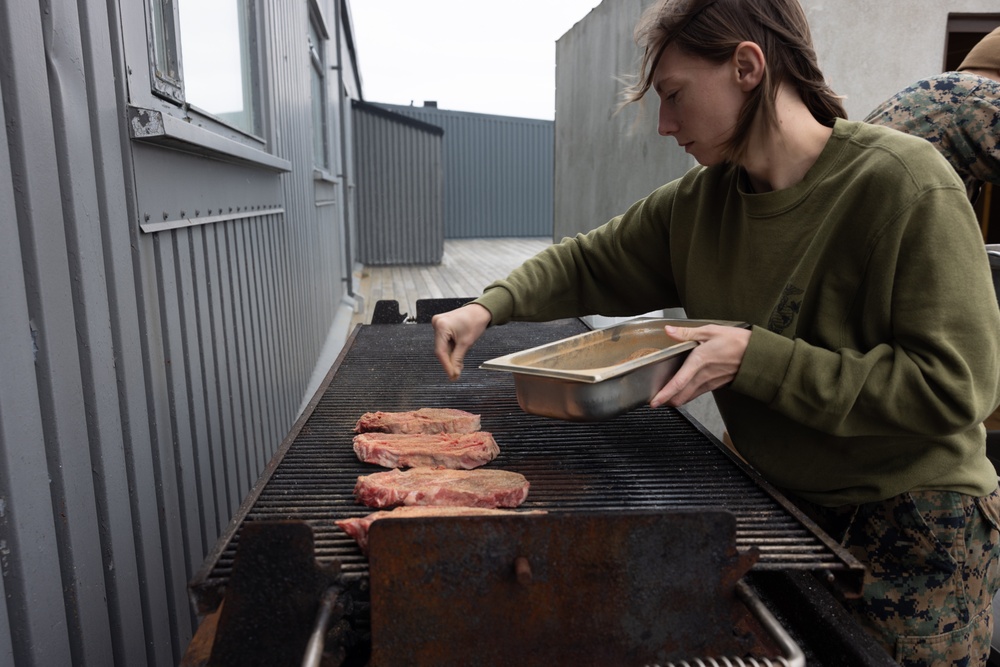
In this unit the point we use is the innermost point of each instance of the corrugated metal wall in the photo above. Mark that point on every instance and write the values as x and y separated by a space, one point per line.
497 172
145 378
399 181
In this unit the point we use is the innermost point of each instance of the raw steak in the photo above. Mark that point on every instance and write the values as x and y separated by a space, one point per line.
424 420
357 527
440 486
413 450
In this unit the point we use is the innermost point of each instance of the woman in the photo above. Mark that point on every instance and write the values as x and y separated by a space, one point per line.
874 356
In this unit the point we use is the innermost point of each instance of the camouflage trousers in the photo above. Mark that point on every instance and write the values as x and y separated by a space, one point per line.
932 571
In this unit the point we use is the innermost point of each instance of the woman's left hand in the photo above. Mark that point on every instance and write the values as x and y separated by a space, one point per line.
709 366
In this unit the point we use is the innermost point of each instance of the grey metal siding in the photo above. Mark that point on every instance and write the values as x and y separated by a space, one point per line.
62 527
33 595
399 188
145 378
497 172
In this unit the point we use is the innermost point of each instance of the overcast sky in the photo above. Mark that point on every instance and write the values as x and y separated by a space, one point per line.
494 57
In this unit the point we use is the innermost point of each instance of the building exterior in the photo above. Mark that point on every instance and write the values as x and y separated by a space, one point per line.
176 253
497 172
425 174
400 187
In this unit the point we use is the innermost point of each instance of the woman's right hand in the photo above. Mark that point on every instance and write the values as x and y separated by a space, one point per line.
455 332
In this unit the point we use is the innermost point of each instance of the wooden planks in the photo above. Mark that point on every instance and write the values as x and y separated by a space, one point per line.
467 266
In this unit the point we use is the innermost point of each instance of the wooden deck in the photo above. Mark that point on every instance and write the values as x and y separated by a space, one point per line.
468 265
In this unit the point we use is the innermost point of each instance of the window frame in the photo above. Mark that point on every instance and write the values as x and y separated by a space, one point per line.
979 24
318 62
163 26
155 90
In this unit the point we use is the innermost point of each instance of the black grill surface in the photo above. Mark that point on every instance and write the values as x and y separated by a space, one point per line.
646 459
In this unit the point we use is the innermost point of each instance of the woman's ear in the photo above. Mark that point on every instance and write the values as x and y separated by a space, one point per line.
749 61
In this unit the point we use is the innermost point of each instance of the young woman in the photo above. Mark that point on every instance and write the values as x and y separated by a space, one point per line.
852 249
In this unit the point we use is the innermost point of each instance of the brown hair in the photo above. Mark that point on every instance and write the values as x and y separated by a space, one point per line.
712 29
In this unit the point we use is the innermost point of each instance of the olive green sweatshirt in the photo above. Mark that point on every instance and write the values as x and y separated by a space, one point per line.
875 348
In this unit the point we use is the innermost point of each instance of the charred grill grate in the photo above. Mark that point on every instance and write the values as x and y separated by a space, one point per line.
646 459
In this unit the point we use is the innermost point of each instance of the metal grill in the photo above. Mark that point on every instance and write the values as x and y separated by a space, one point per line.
646 459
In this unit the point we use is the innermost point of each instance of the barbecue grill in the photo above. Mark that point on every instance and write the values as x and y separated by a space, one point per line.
636 467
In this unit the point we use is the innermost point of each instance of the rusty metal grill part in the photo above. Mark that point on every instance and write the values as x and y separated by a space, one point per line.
644 460
587 589
418 613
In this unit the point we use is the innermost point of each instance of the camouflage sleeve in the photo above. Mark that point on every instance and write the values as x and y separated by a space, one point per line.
980 130
958 113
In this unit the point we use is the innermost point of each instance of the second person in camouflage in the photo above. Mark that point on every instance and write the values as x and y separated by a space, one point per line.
958 112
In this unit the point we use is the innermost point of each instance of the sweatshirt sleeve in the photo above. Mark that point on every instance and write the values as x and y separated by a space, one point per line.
621 268
933 364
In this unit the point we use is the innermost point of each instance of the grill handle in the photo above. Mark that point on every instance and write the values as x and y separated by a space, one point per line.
793 655
329 607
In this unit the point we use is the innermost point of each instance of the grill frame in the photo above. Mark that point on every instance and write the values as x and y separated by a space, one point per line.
638 461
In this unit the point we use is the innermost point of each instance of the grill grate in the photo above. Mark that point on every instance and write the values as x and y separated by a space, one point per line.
646 459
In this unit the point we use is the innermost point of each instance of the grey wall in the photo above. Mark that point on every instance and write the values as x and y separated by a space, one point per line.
497 172
400 188
146 377
604 161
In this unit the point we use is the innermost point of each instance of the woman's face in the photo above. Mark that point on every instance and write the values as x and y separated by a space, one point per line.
699 103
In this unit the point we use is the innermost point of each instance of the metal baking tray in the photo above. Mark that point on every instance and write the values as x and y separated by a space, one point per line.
599 374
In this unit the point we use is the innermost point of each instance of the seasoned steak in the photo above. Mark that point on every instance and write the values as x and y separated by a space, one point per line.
424 420
412 450
440 486
357 527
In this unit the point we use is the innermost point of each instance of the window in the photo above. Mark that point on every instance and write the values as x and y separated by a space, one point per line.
203 54
317 56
